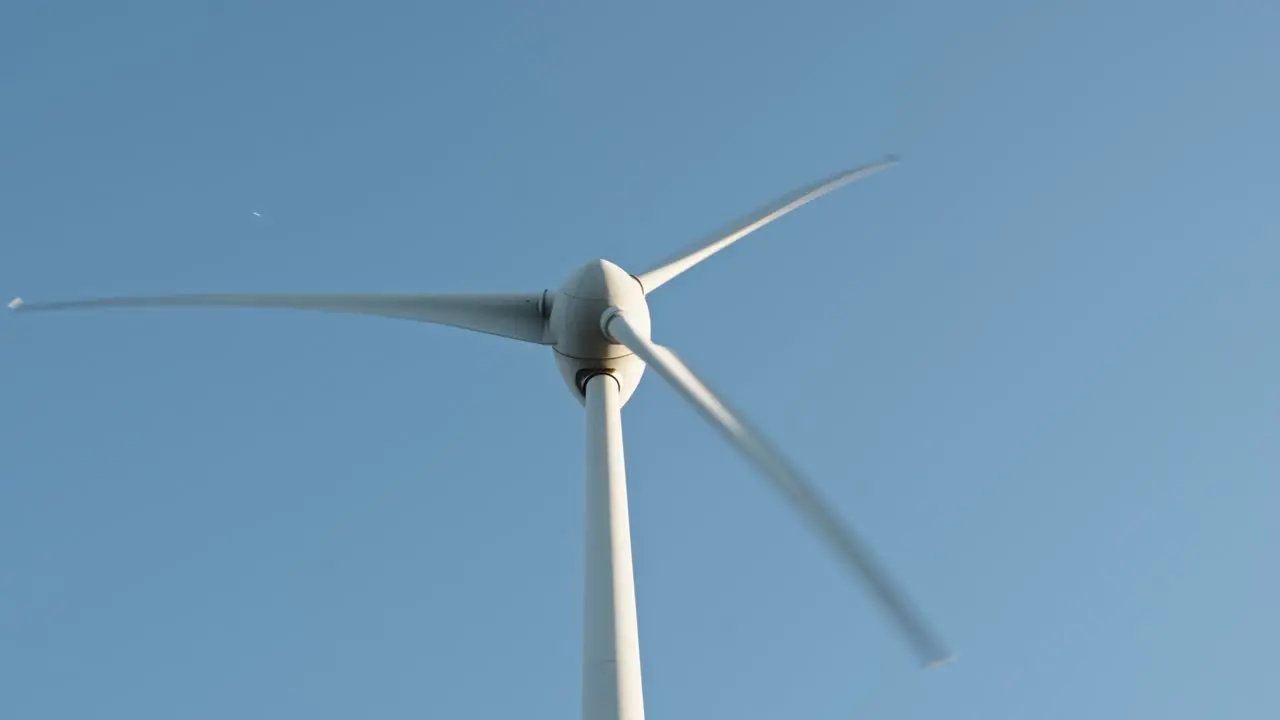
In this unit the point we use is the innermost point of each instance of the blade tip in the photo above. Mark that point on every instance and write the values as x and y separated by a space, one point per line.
16 303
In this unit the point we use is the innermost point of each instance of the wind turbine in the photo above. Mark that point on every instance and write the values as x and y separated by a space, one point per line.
597 323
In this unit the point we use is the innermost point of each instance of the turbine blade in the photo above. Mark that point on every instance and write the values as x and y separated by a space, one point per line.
853 551
516 316
658 276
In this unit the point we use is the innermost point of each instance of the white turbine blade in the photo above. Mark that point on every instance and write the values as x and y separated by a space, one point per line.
658 276
788 479
516 316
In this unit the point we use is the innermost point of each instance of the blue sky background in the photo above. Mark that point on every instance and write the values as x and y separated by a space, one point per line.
1035 363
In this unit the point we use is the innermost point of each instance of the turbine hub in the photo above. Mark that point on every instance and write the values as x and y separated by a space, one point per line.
582 349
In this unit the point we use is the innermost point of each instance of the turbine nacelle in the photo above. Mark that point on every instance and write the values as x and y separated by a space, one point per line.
582 349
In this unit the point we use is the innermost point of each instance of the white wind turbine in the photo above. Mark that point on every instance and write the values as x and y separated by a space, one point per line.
597 323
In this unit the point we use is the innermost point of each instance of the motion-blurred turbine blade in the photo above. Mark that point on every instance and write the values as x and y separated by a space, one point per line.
516 316
658 276
787 478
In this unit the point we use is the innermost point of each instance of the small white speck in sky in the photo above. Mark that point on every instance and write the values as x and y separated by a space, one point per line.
944 661
15 303
257 214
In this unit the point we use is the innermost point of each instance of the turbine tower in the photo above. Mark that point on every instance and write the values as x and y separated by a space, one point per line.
597 324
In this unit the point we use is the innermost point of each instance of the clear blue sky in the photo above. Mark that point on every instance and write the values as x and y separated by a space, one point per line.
1035 363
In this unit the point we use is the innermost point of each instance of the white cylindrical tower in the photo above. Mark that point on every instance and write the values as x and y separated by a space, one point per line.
611 688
